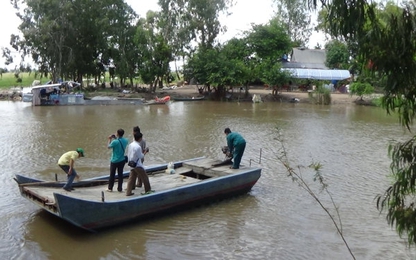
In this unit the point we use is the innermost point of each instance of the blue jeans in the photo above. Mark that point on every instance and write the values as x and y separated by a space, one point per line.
71 177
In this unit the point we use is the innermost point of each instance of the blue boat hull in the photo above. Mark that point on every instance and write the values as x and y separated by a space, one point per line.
105 214
90 213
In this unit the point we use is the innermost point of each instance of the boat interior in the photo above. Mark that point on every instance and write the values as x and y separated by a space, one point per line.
188 172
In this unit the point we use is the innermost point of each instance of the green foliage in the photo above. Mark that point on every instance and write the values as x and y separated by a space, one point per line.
337 55
361 89
398 199
386 44
269 41
273 75
9 80
377 102
184 22
322 95
240 61
154 53
187 25
217 67
122 50
70 38
322 21
295 17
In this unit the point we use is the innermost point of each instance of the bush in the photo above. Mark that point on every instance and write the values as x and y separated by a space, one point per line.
322 96
361 88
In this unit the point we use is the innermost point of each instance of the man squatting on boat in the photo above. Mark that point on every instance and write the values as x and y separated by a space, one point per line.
66 162
237 145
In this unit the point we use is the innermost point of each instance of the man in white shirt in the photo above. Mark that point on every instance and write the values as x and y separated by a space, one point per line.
136 155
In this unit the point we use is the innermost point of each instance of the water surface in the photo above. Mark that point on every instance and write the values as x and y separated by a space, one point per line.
276 220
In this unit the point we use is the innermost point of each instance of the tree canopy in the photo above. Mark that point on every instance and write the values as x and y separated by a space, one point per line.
386 42
238 62
295 18
70 38
337 55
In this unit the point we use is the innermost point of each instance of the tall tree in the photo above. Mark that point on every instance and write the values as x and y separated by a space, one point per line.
269 43
337 55
122 48
67 37
188 24
155 52
45 34
295 17
217 68
240 61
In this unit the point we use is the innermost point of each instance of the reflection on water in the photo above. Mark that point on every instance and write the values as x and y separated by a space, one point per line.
276 218
151 239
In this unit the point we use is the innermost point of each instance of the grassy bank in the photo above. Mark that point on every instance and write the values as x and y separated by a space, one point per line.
8 80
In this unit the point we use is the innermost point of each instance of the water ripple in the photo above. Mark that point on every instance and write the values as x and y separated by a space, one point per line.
276 220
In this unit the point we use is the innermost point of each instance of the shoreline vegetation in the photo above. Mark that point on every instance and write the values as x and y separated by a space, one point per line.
190 91
187 91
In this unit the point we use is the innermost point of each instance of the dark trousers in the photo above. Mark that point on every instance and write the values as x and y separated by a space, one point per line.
137 173
119 167
70 178
238 154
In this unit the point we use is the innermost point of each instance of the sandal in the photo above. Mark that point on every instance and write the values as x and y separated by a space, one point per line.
148 192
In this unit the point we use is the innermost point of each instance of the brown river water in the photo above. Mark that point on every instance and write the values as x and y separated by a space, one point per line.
275 220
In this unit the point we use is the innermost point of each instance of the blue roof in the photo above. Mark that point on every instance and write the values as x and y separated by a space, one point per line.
318 74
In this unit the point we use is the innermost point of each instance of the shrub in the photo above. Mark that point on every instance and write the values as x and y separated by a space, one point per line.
361 88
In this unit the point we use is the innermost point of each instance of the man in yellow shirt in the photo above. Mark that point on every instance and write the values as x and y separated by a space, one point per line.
66 162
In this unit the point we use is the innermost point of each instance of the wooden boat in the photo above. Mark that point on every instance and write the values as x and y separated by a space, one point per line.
189 98
90 207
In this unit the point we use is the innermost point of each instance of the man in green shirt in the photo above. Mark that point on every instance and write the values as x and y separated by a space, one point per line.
237 145
118 144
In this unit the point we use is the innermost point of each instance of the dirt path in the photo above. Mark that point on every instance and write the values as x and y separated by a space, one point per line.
265 94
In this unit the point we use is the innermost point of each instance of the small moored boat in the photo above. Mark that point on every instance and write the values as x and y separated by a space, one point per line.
89 207
158 101
55 94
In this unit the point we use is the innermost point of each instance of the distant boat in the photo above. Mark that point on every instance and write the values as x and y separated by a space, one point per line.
191 182
157 101
189 98
55 94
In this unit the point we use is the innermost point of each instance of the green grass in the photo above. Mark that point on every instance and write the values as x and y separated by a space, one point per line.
8 80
